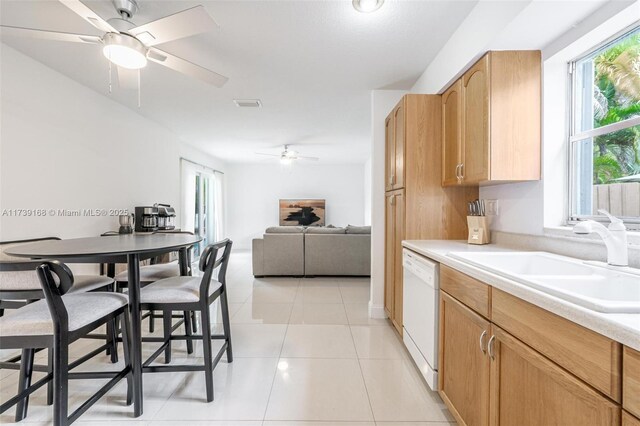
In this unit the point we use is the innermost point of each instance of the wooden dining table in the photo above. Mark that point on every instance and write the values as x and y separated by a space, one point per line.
129 249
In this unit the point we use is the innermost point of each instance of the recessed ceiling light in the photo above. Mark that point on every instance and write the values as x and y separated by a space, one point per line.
124 51
248 103
367 6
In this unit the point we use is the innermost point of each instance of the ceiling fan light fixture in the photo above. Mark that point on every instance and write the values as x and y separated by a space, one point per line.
286 161
125 51
367 6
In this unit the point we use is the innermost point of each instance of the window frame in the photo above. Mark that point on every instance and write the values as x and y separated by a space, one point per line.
573 137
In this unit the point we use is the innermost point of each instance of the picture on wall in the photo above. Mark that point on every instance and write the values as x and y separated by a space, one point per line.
302 212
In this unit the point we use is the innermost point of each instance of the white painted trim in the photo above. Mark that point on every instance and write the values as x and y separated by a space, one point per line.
377 311
609 128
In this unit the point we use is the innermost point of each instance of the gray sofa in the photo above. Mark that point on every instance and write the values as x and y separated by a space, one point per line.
313 251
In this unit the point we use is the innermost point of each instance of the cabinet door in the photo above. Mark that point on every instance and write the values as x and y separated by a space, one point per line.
464 366
390 152
451 133
475 119
528 389
399 141
397 256
389 259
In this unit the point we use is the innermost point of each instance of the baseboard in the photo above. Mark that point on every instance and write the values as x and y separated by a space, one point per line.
377 311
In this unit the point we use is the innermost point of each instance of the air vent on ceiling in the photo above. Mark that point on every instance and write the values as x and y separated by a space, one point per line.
248 103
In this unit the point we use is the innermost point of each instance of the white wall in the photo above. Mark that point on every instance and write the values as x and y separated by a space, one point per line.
367 192
253 192
382 102
64 146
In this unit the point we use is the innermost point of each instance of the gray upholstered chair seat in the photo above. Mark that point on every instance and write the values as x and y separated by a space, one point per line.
175 290
151 273
28 281
83 308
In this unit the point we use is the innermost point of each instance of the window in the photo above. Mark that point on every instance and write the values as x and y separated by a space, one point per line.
605 131
202 203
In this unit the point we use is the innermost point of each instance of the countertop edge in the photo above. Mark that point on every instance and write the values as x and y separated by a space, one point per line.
601 323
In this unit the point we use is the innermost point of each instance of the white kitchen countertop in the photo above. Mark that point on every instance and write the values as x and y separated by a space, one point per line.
623 328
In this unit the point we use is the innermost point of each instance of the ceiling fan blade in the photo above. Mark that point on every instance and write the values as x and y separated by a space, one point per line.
302 157
185 67
127 78
89 15
48 35
179 25
268 155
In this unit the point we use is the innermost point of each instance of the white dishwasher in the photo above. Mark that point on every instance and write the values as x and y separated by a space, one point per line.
420 313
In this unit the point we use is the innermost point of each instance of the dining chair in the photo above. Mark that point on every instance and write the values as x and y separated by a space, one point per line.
152 273
60 319
19 286
195 294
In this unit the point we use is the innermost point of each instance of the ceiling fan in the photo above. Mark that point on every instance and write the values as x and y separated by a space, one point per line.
288 156
129 46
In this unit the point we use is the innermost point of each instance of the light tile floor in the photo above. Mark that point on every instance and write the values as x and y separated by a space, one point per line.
306 354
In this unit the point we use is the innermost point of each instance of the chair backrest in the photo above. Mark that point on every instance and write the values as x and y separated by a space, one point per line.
54 288
214 256
18 278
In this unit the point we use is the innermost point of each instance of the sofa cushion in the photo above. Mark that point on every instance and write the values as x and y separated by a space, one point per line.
325 230
358 229
284 230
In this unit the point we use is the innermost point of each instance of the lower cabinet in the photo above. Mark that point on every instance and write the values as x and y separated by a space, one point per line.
464 367
528 389
489 377
629 420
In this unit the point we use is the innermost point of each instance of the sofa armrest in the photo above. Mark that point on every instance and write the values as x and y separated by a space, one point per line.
257 254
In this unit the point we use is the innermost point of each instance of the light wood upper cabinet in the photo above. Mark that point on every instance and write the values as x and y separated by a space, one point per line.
528 389
499 100
451 134
399 143
464 367
390 148
475 130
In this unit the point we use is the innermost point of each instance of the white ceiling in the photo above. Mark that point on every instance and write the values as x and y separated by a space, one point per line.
312 63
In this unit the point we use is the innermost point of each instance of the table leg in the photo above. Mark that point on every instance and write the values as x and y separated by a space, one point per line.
133 269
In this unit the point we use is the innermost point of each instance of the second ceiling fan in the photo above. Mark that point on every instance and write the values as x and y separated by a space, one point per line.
128 46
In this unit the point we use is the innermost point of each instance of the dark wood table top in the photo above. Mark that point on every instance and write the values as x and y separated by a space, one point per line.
114 247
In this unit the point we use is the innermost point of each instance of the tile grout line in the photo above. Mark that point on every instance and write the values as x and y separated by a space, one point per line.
364 382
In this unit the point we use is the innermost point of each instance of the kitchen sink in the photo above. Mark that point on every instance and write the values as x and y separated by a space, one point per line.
597 288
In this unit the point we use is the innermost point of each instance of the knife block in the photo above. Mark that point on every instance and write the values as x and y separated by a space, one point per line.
478 230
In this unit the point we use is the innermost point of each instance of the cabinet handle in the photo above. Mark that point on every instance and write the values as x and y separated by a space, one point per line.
482 336
393 179
392 199
458 177
490 347
462 171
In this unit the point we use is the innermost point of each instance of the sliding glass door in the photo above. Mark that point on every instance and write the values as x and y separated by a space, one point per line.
202 201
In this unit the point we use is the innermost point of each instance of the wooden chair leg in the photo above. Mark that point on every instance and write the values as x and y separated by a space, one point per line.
188 332
167 323
226 324
127 346
206 347
26 372
60 380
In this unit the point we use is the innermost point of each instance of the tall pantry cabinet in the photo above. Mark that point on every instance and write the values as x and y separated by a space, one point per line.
416 204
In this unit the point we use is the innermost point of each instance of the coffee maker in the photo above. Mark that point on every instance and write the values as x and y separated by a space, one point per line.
146 219
166 217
